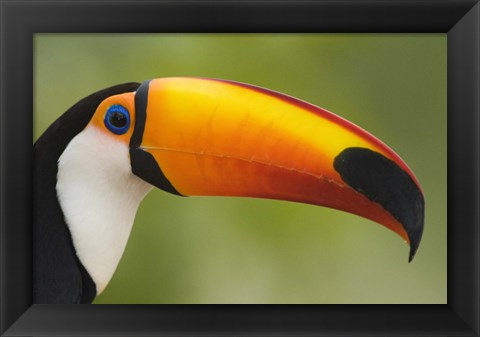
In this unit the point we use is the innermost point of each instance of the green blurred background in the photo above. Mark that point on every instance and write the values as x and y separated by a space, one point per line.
241 250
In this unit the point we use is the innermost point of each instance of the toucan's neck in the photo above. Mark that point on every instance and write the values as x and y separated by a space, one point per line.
58 275
99 196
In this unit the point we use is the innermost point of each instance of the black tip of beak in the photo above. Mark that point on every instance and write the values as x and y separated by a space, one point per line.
384 182
416 230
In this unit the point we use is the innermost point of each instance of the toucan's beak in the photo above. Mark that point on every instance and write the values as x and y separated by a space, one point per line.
197 136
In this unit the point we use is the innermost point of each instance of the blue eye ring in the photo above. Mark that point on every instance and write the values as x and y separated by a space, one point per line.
117 119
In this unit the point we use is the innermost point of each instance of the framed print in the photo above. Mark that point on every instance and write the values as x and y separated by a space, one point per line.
220 249
422 61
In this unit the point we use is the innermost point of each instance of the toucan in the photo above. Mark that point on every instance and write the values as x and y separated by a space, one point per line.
196 137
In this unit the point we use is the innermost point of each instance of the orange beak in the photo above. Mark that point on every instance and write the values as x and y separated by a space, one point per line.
196 136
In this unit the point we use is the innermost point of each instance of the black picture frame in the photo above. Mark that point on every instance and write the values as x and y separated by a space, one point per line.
20 20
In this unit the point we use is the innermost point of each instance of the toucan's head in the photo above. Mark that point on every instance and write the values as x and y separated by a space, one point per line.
197 136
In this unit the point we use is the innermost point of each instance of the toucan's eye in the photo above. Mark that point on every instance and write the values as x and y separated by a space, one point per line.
117 119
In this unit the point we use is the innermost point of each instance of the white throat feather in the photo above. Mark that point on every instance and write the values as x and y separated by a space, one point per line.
99 196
